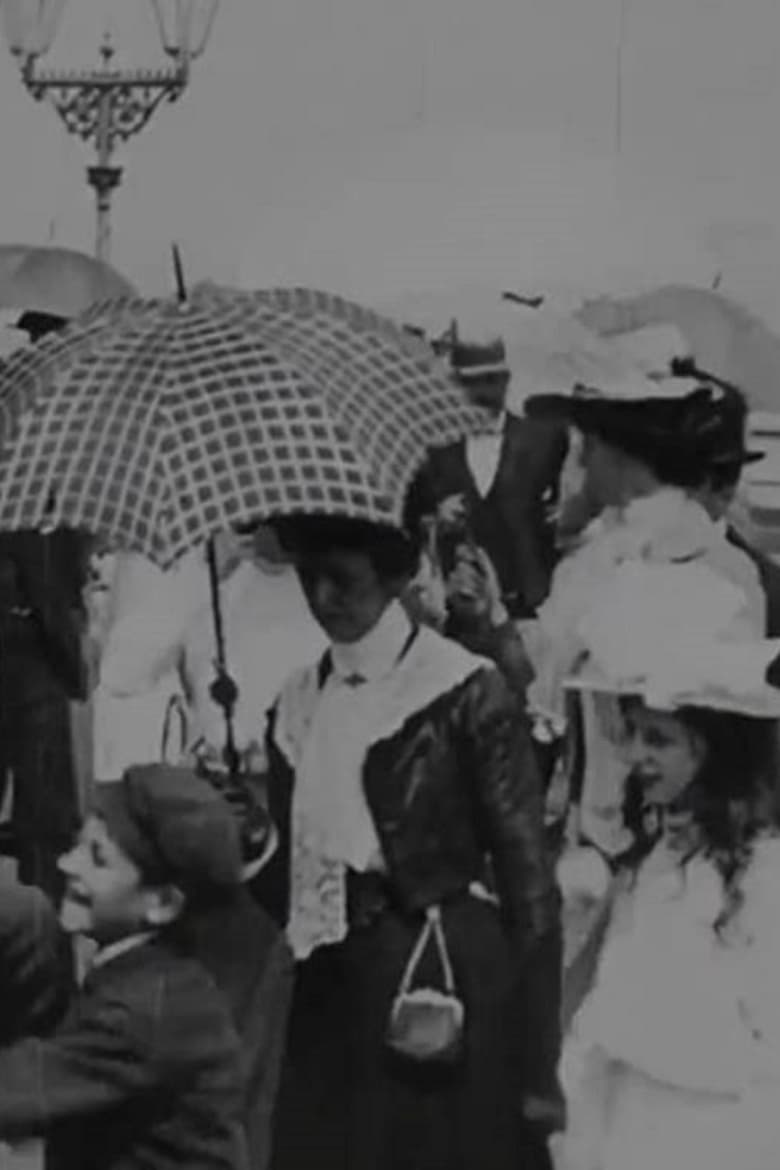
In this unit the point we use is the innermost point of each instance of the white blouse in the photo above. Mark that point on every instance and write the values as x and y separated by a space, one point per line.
678 1001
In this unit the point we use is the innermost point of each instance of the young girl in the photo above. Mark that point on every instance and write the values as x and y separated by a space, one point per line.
674 1057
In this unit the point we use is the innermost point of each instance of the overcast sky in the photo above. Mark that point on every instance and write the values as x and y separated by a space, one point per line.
289 87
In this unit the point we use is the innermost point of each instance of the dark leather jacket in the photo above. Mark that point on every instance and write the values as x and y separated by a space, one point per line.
502 644
458 783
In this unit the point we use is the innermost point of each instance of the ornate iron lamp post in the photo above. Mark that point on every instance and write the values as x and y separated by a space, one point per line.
106 106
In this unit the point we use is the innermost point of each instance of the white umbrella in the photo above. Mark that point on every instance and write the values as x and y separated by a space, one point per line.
721 334
436 209
548 349
57 281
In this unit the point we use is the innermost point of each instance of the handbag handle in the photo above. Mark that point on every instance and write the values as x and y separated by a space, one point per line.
175 708
433 928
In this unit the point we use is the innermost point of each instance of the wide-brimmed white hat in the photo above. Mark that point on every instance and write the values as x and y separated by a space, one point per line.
675 635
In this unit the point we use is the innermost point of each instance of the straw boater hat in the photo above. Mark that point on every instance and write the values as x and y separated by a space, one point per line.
473 361
674 636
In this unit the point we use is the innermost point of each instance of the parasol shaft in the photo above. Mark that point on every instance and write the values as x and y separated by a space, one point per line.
223 690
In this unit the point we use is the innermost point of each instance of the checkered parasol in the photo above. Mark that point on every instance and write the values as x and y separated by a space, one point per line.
153 423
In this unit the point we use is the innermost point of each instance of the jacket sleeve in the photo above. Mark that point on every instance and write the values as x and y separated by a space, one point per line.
511 808
92 1064
34 989
503 645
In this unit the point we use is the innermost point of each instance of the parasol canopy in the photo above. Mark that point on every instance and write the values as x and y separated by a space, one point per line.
155 423
724 337
547 349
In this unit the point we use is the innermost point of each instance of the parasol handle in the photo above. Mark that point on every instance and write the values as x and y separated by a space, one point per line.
178 271
223 690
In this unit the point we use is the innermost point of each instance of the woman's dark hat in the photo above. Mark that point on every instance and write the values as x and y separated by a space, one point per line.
174 826
700 419
727 427
632 423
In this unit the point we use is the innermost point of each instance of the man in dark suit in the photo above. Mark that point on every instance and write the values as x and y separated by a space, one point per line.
42 623
41 671
501 487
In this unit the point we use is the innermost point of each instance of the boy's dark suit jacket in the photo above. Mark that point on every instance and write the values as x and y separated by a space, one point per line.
144 1072
512 522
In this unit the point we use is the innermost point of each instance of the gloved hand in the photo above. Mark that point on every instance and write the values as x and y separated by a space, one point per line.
425 597
473 589
452 510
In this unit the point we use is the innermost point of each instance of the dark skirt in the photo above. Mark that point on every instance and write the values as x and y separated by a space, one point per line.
347 1104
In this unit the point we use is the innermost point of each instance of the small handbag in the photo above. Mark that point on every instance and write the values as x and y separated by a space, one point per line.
426 1024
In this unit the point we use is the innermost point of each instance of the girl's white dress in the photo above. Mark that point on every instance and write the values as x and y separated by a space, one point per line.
673 1061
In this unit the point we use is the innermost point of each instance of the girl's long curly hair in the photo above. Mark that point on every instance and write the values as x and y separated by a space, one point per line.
734 799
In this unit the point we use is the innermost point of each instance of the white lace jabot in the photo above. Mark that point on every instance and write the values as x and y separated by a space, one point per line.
330 784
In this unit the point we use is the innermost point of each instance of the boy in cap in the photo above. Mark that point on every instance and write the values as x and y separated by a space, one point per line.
145 1070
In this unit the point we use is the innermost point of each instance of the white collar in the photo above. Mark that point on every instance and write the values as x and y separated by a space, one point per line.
375 655
656 508
113 951
660 503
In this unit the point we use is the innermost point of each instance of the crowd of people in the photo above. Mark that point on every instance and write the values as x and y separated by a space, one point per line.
432 721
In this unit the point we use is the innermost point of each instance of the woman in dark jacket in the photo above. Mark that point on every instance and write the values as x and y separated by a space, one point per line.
401 776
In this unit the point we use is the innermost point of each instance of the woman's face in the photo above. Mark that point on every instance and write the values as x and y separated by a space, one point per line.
664 754
345 593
